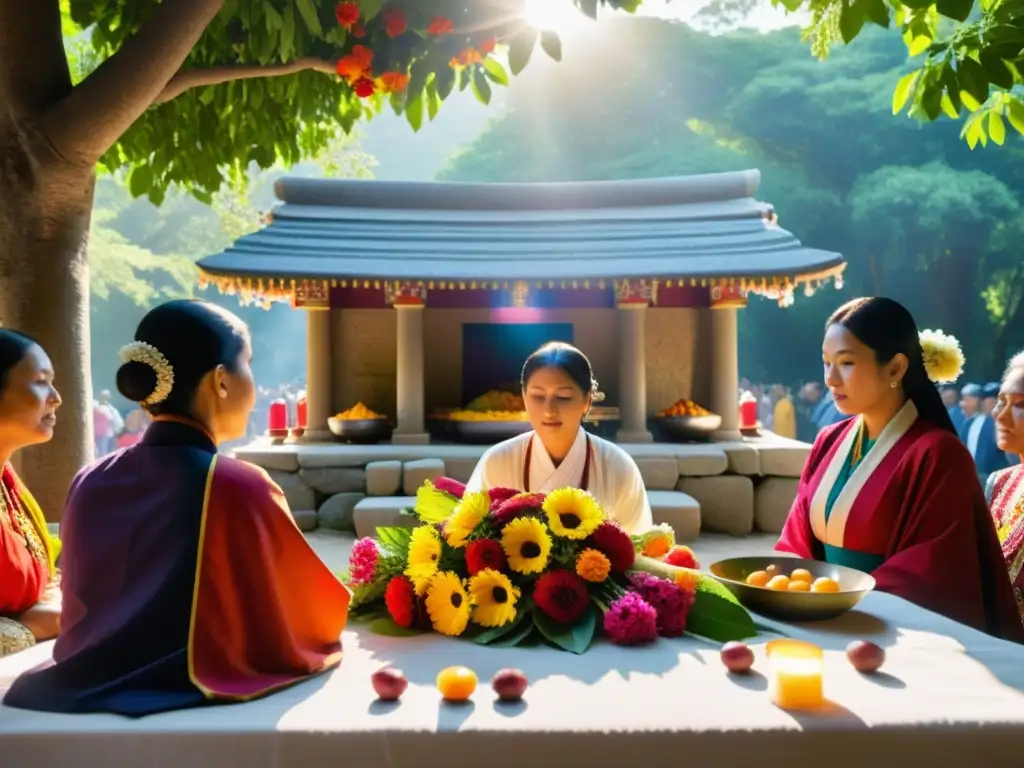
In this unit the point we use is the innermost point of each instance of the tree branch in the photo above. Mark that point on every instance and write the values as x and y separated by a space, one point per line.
90 119
197 78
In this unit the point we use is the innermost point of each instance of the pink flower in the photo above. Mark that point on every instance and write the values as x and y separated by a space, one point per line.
631 621
509 509
671 603
498 495
453 487
362 564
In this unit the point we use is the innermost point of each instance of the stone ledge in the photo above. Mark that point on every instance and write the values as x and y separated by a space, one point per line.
375 512
726 502
678 510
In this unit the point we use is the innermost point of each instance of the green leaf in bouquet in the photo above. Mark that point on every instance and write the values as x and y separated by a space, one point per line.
494 634
364 594
575 637
385 625
432 505
521 635
718 615
395 539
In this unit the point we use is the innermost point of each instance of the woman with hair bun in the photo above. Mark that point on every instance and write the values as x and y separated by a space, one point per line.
892 491
187 581
558 390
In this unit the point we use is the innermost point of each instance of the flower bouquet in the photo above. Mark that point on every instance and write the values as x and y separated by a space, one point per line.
503 568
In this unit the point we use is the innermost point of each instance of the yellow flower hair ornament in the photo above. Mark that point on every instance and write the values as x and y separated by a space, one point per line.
943 358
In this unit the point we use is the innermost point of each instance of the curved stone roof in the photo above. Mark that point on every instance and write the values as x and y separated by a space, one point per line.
706 226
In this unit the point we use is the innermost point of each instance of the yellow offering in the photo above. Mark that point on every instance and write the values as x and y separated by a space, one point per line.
498 401
685 408
468 415
800 580
358 411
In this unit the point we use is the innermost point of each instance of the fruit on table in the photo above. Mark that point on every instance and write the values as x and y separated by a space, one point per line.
685 408
389 683
800 580
358 411
801 574
456 683
509 684
758 579
467 415
496 400
825 584
779 583
737 657
865 657
797 585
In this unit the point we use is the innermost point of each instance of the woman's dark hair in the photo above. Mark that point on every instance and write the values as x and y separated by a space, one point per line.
13 348
565 357
195 337
887 327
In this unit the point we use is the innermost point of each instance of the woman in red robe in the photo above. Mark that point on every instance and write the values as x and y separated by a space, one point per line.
1006 488
186 579
29 580
892 491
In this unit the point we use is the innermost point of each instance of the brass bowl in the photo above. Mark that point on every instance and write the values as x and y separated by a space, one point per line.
487 432
361 430
793 606
688 428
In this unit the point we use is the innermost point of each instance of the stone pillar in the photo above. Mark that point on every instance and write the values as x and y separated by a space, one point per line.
632 316
411 419
725 365
319 374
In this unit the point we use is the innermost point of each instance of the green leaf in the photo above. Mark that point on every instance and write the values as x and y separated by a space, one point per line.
521 633
955 9
575 637
370 8
947 107
493 634
589 8
445 80
918 46
996 70
414 115
931 102
952 86
386 626
287 33
395 539
432 505
718 615
397 101
1015 114
851 20
433 101
367 593
552 44
520 48
903 90
417 81
495 71
481 87
307 9
973 79
876 11
140 180
996 127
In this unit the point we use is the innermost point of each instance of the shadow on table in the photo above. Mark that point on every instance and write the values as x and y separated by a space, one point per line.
831 716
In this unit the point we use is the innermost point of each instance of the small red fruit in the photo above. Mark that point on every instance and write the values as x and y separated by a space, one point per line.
509 684
737 657
865 657
389 683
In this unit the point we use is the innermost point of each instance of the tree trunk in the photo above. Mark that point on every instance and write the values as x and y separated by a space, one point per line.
45 213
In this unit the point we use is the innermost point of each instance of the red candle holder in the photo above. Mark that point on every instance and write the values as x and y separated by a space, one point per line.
748 411
277 418
300 412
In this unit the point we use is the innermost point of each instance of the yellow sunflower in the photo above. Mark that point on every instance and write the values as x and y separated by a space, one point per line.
526 544
467 516
448 604
494 598
424 554
572 513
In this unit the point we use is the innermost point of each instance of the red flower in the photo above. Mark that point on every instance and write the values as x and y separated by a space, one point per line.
498 495
347 14
682 557
362 54
364 87
510 509
484 553
394 22
562 595
488 45
358 30
454 487
615 544
400 599
439 25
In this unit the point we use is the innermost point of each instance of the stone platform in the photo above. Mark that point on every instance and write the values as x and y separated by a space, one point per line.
725 487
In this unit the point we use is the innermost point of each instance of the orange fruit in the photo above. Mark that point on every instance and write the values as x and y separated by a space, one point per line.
758 579
824 584
456 683
780 582
801 574
799 586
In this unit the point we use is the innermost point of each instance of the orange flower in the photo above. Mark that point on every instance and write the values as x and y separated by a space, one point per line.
347 14
592 565
394 22
467 57
487 46
364 87
439 25
393 82
362 54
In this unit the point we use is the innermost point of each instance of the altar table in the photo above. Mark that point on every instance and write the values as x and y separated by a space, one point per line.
947 696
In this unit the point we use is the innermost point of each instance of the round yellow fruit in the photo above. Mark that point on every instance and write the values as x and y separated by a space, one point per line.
780 583
825 584
758 579
801 574
456 683
799 586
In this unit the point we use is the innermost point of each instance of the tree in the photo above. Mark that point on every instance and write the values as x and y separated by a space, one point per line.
169 94
973 56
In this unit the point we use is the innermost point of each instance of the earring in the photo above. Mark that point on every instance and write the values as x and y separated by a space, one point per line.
224 393
894 384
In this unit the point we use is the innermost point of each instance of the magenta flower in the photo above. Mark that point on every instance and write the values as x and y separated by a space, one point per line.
362 564
671 603
631 621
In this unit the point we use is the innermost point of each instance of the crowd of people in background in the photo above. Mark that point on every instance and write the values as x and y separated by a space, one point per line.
111 430
812 410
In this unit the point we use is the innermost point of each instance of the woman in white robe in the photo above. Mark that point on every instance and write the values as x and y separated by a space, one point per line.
558 390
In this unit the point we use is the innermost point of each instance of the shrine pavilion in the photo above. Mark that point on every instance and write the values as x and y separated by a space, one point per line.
422 295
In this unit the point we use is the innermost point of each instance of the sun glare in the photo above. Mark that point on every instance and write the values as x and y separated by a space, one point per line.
559 16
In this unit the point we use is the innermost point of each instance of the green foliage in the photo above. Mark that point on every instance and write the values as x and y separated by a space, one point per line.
212 134
973 54
575 637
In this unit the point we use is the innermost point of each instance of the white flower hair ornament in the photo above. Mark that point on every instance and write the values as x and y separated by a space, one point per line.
147 354
943 358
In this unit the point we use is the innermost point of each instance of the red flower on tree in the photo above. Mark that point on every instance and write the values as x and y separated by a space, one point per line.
364 87
358 30
393 82
357 65
347 14
439 25
394 22
562 595
488 45
484 553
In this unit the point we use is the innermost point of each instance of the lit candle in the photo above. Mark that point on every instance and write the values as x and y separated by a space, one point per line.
278 416
796 674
